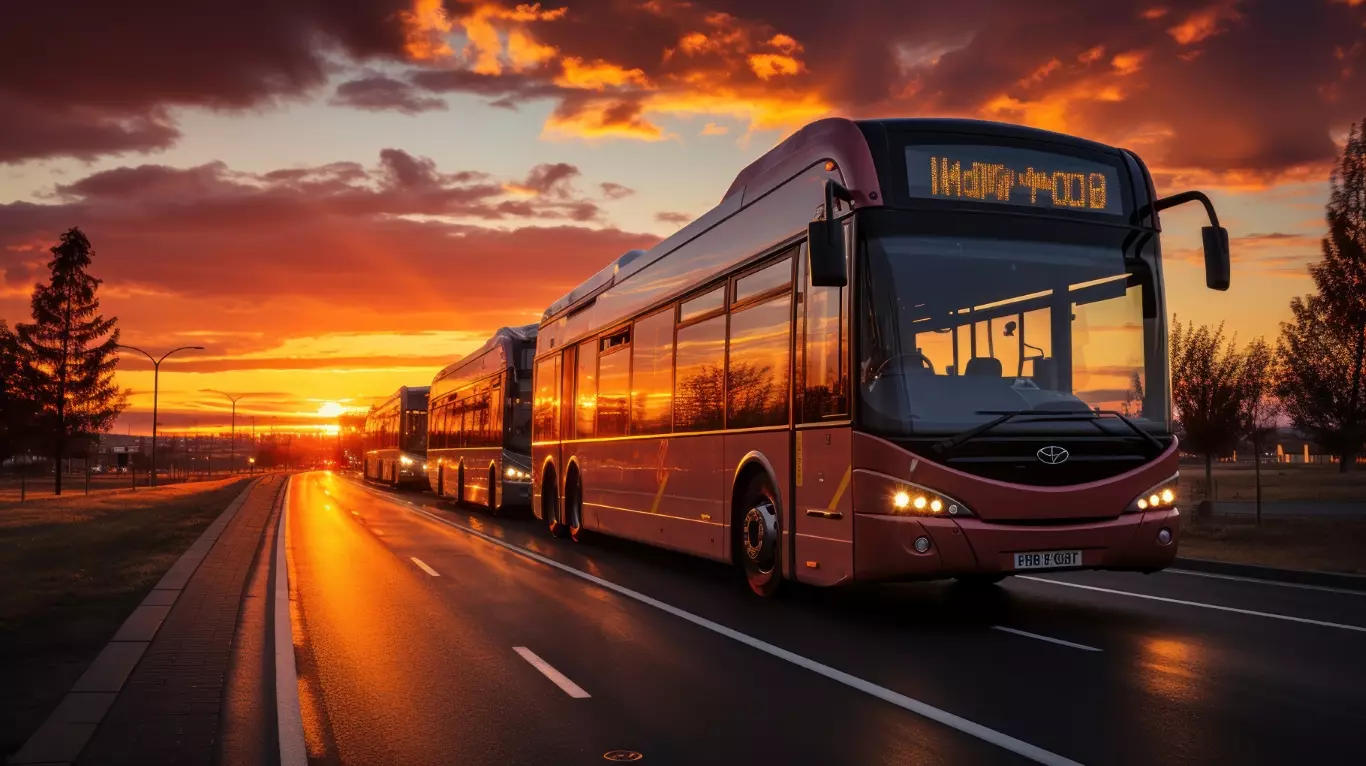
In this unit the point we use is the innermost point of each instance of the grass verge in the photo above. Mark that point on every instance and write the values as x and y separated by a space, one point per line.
74 568
1327 545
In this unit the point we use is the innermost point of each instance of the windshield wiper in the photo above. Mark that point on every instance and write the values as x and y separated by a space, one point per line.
1005 415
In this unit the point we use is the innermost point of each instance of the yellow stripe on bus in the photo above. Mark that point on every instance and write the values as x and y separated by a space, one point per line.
839 491
654 507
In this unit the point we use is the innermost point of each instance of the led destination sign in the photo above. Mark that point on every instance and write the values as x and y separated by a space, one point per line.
1022 177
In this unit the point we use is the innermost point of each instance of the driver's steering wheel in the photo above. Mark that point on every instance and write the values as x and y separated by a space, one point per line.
924 362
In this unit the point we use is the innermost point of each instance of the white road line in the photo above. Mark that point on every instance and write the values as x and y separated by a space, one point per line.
1163 599
424 567
569 687
1050 640
290 720
1002 740
1259 581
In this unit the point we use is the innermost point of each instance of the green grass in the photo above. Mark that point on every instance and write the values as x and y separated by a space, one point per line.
1329 545
74 568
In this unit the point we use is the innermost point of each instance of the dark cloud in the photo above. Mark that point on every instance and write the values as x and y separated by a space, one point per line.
87 77
378 94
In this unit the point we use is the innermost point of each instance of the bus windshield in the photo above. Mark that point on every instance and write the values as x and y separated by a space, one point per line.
958 331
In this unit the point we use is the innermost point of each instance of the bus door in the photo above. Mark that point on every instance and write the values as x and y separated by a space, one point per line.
823 520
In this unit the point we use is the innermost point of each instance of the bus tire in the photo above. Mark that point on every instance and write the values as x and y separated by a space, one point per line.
758 540
550 510
493 489
441 481
460 485
573 505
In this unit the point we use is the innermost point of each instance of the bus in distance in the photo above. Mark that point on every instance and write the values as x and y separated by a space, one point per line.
396 439
897 349
479 420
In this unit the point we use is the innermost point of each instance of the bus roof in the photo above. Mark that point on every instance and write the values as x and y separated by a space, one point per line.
834 138
406 393
503 338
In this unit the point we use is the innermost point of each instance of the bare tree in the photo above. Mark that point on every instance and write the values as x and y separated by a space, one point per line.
1208 394
1261 409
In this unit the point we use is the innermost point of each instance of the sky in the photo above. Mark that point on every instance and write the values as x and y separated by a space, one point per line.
338 197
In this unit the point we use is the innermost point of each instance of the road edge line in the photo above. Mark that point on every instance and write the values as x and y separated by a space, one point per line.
1276 575
923 709
288 715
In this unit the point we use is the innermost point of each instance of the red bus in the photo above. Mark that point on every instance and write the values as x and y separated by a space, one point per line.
396 439
479 423
897 349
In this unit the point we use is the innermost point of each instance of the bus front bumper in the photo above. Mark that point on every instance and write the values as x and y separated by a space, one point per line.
885 546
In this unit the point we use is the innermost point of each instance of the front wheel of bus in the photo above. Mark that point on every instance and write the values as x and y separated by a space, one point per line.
759 539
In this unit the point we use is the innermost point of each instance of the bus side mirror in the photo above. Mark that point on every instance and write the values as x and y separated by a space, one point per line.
825 254
825 242
1216 257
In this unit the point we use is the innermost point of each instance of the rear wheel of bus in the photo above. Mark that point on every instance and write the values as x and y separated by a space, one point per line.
550 506
758 546
573 505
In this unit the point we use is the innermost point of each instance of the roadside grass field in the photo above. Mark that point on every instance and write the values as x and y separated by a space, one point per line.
1329 545
40 487
1280 482
74 568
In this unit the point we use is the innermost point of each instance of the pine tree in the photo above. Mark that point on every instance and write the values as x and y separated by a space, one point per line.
68 353
1323 350
15 407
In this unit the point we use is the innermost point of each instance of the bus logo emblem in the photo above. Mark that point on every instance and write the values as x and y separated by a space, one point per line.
1052 455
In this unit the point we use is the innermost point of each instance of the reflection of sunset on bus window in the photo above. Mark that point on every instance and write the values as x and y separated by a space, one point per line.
586 392
614 385
1107 350
652 372
757 379
698 388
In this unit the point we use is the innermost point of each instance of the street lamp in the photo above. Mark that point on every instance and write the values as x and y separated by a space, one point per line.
156 379
232 450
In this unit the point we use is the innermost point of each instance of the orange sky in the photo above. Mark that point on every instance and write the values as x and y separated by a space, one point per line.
350 202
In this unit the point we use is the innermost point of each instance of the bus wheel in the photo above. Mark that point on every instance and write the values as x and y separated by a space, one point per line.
493 489
759 542
573 506
460 485
550 501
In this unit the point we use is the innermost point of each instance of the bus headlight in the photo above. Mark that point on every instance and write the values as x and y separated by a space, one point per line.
915 500
405 460
516 474
1159 496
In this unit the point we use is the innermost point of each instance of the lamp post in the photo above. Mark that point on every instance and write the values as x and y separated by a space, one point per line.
232 450
156 381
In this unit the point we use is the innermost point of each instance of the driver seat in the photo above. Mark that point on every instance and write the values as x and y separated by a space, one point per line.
985 366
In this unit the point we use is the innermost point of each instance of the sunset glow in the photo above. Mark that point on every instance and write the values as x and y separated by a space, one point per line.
437 169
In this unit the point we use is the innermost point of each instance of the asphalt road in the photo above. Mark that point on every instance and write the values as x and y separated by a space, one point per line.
419 629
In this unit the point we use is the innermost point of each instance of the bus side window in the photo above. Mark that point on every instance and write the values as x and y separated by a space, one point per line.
825 379
546 412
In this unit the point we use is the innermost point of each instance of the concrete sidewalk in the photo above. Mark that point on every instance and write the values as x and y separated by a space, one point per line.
156 693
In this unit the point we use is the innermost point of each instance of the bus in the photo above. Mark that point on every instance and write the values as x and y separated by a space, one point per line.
896 349
396 439
479 445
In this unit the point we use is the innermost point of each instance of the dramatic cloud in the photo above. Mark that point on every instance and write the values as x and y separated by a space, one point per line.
342 247
615 191
385 93
89 77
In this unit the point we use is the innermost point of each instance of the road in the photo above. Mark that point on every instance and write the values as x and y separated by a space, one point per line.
421 631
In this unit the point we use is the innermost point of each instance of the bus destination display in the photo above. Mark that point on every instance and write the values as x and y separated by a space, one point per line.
1024 177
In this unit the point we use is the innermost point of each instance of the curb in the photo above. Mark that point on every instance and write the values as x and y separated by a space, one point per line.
1296 576
288 714
67 730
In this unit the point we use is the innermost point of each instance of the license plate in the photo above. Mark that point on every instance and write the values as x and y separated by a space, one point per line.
1047 559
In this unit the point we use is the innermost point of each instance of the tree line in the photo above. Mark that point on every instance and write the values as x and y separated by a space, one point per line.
57 390
1313 377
